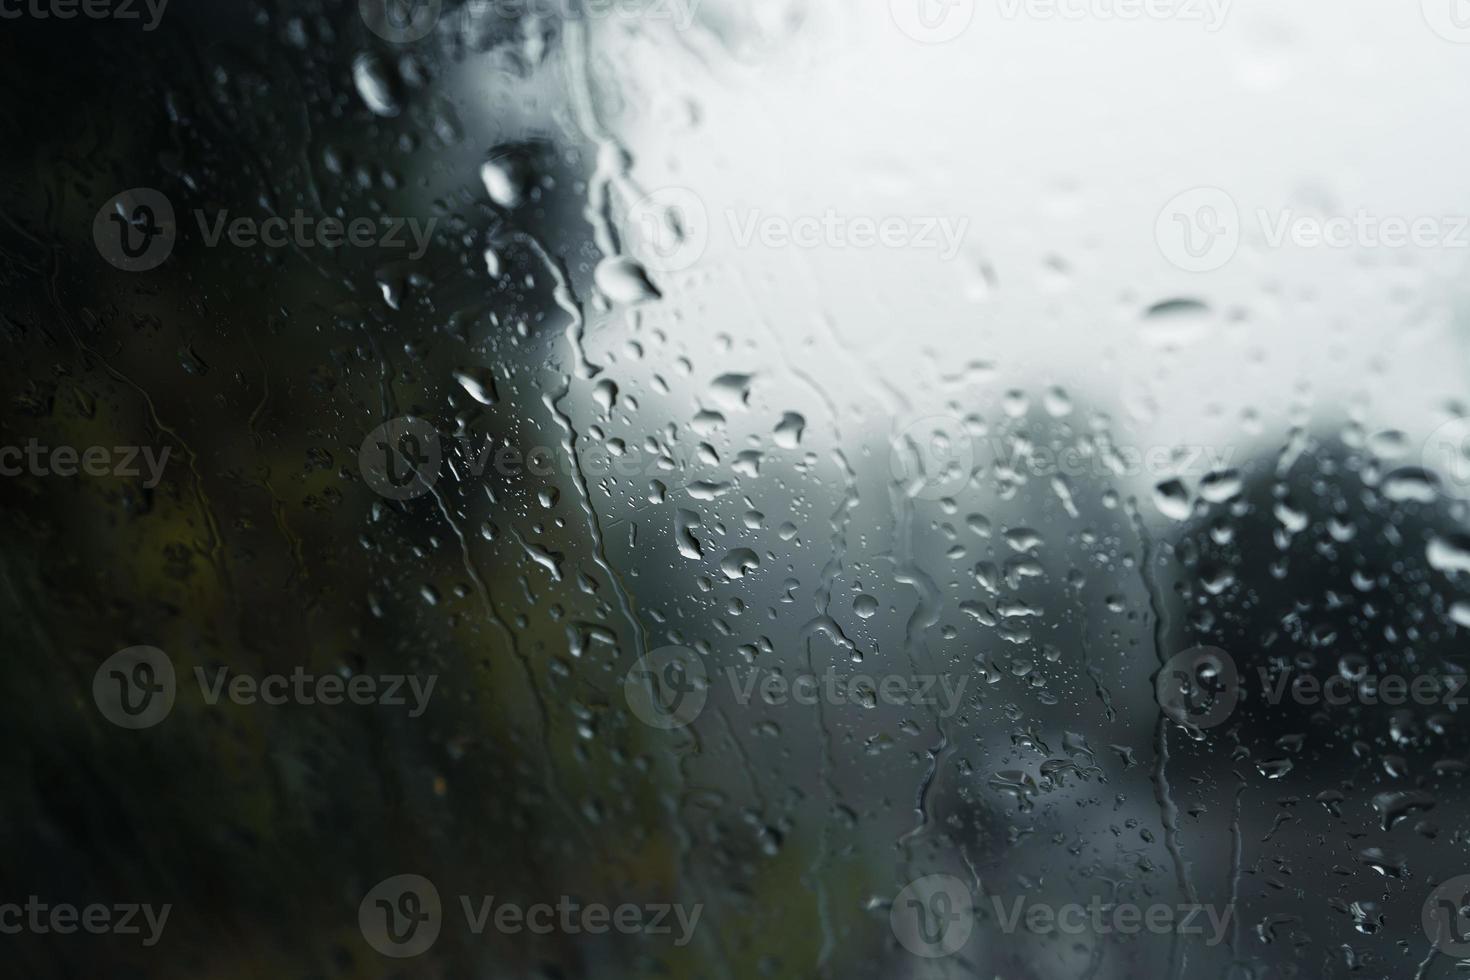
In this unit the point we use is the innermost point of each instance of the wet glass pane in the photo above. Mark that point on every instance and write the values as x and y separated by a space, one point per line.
735 488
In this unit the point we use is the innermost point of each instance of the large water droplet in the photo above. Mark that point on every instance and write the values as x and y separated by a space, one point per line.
507 178
789 430
739 563
624 280
1172 500
480 383
374 84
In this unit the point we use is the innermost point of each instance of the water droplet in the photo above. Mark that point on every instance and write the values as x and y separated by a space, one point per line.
739 563
624 280
1449 553
507 178
730 391
1411 484
1176 323
1219 486
790 429
1172 500
605 394
480 384
375 85
685 521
